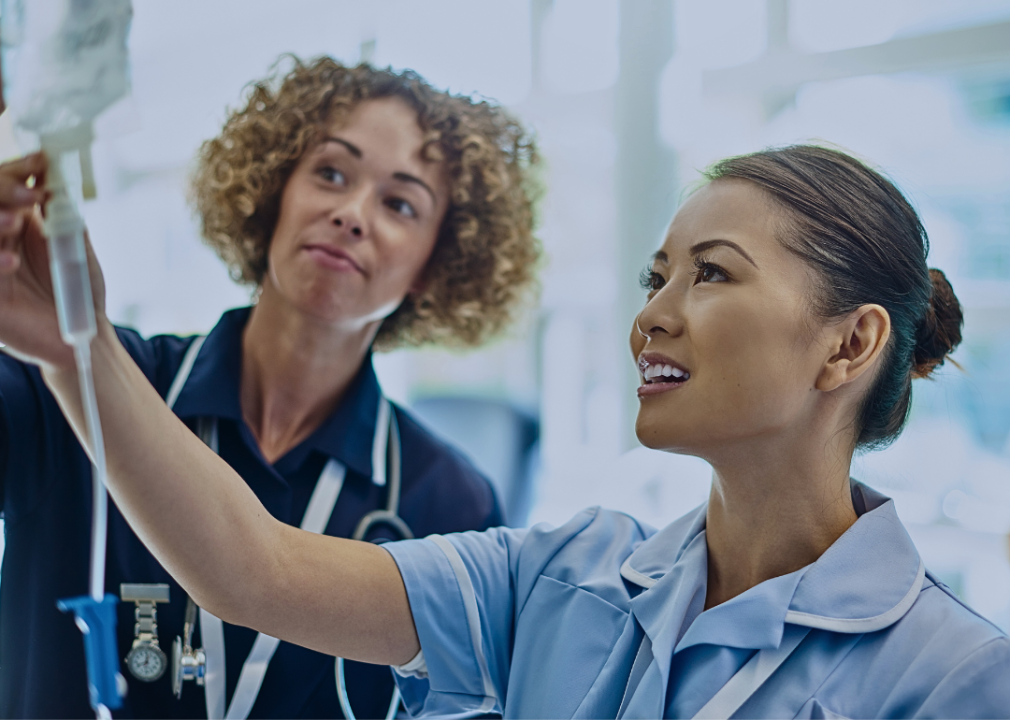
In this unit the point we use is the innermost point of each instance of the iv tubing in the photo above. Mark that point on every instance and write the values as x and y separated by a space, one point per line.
99 494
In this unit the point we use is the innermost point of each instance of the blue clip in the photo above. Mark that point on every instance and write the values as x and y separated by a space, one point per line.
97 621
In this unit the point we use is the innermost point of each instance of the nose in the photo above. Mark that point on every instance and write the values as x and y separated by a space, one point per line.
660 316
353 227
351 214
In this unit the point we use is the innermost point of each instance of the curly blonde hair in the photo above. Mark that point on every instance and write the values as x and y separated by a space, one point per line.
486 255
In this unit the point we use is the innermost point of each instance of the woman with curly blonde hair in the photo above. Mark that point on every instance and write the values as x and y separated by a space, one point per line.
367 210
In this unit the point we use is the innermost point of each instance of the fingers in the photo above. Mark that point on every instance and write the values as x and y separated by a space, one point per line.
10 263
14 193
11 222
17 199
25 167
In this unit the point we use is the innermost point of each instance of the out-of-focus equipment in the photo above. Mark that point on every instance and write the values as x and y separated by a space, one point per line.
65 62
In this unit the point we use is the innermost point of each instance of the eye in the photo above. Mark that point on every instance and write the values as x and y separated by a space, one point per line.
708 272
331 174
651 281
401 206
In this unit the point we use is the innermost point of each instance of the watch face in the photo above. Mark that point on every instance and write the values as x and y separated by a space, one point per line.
146 662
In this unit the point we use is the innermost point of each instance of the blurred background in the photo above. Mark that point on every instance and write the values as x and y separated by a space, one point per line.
629 100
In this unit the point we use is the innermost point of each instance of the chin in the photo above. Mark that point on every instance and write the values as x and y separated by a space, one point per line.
660 436
678 434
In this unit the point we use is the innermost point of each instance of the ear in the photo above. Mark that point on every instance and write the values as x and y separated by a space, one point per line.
418 287
856 343
420 282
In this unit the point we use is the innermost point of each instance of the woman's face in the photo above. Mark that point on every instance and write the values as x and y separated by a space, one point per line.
728 313
358 219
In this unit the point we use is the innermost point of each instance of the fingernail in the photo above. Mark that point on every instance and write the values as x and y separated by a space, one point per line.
6 220
7 260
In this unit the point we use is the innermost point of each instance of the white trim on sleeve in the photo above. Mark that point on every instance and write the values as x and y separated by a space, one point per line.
417 667
472 617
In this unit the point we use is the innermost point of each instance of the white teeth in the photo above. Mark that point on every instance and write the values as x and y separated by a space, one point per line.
650 372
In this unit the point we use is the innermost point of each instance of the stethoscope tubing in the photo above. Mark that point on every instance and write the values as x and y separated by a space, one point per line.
391 518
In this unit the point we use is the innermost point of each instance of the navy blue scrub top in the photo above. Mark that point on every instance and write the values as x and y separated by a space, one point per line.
45 483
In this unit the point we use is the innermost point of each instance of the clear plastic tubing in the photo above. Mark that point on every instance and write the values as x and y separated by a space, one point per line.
75 310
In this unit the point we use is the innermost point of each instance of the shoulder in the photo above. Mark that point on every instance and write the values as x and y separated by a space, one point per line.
594 536
977 686
26 399
587 552
158 356
939 619
21 385
957 660
937 607
443 491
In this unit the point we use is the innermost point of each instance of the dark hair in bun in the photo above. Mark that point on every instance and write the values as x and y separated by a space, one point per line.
868 246
940 332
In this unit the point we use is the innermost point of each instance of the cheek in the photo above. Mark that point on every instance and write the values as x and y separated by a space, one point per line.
283 239
403 262
756 356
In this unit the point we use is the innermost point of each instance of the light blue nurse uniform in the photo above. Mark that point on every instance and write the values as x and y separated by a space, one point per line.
604 617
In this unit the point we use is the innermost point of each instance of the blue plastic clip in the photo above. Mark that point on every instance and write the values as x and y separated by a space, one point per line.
97 621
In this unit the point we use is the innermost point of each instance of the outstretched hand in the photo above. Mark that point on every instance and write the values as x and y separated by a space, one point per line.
28 324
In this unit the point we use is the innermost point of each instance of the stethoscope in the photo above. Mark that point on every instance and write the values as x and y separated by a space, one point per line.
205 666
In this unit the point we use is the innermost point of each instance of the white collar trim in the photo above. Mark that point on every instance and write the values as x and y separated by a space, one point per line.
862 625
632 575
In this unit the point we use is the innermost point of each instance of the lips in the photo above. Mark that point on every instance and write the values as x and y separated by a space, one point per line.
660 373
333 258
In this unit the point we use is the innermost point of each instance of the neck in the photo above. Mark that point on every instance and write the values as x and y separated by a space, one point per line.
295 371
775 508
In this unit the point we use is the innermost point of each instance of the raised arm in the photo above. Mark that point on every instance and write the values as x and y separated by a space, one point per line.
195 514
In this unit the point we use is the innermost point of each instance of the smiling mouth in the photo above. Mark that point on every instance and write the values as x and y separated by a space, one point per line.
653 374
659 376
334 258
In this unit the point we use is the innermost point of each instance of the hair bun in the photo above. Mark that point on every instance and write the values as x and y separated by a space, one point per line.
940 331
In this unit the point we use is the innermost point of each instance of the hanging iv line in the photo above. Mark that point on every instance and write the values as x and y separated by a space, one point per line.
69 63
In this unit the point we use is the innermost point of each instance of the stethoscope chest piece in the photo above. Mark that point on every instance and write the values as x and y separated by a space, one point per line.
187 663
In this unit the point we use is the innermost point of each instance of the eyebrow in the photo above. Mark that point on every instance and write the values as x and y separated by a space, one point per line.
401 176
353 149
708 244
404 177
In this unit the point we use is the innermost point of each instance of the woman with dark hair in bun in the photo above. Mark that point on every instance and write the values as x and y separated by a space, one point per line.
789 309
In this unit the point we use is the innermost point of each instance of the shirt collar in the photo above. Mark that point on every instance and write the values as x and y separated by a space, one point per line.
212 390
866 581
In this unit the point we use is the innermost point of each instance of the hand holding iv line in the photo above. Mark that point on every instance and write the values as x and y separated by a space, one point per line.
70 65
47 309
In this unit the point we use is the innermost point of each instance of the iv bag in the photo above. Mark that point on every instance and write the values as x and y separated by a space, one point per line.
65 61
